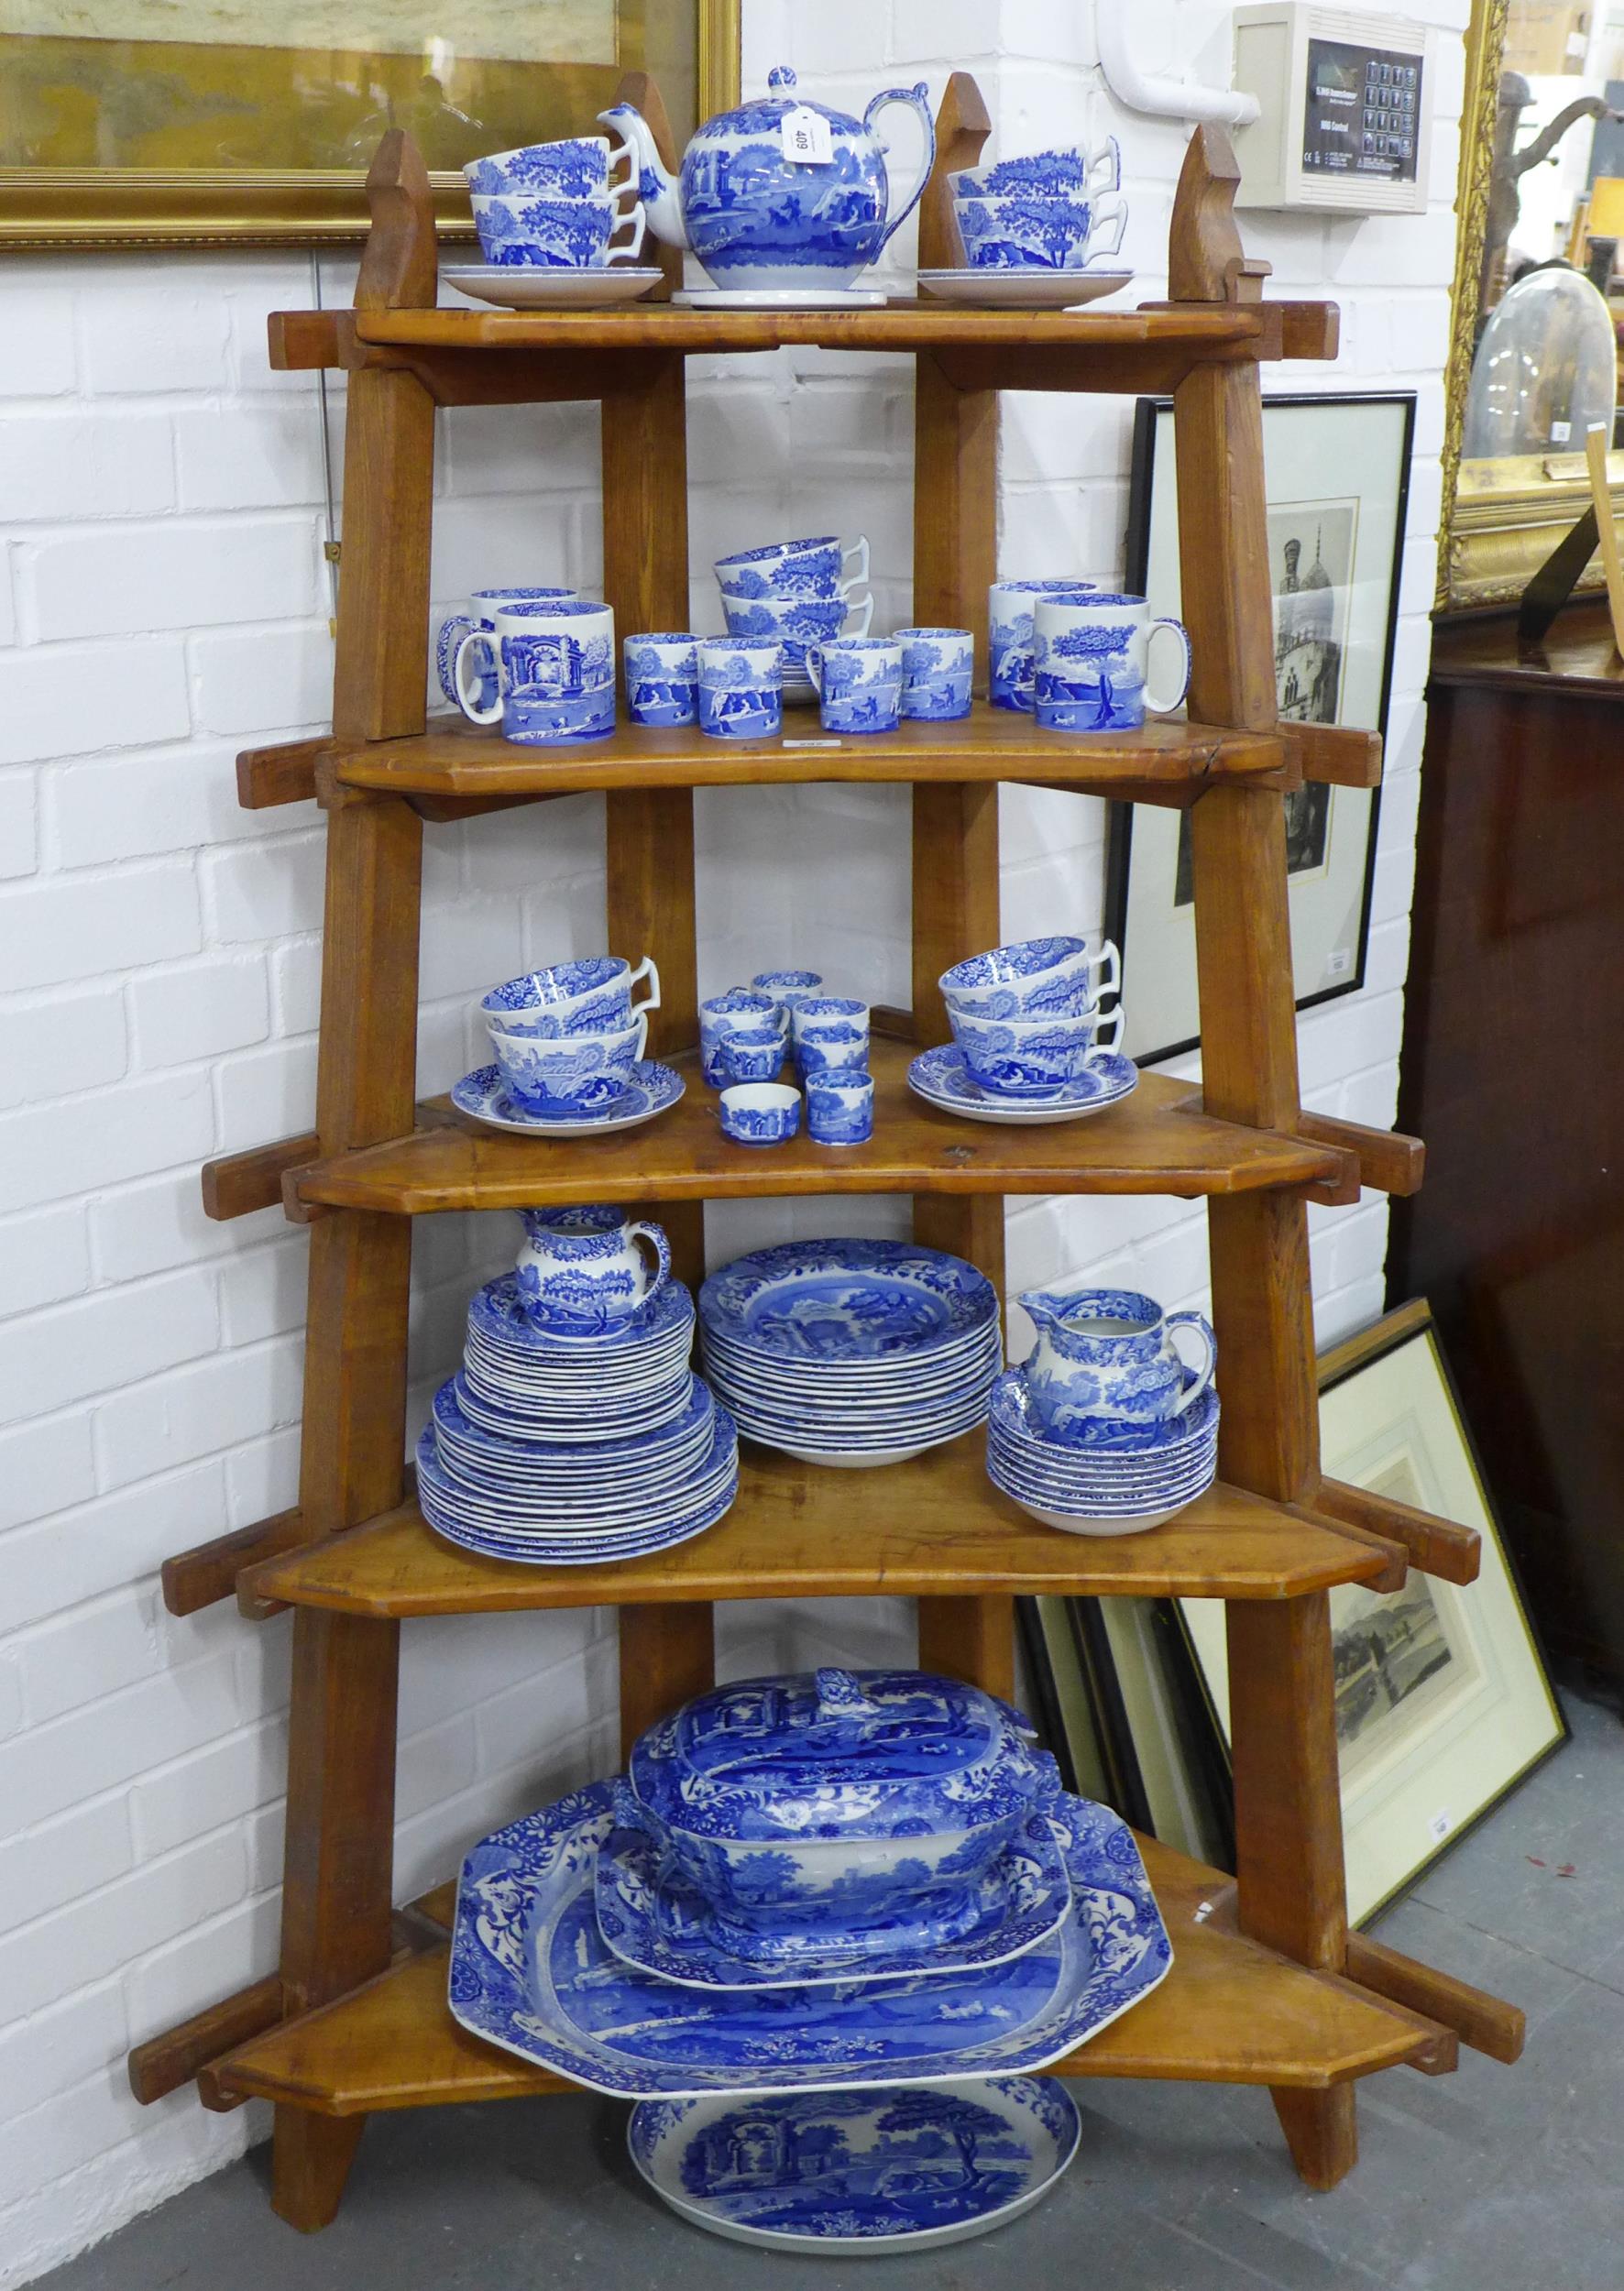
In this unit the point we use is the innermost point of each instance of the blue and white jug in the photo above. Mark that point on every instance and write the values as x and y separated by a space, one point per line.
759 218
581 1269
1105 1370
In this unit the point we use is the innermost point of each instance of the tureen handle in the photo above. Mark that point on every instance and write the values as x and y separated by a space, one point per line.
918 101
840 1695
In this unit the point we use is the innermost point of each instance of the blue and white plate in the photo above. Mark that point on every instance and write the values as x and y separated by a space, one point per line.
531 1972
573 1552
834 1301
483 1095
855 2173
498 1317
652 1918
580 1424
942 1078
1014 1419
645 1460
582 1511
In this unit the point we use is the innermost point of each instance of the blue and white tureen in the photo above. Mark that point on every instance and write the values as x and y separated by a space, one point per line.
837 1798
757 218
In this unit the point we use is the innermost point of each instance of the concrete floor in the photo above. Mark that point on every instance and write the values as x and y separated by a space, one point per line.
1494 2179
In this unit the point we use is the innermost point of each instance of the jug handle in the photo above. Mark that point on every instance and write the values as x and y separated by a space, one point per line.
1204 1329
917 99
655 1237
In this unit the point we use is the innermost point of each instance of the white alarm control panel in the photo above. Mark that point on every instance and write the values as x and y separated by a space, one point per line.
1346 123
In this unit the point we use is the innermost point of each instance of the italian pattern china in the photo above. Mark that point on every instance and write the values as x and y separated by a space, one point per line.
858 683
577 166
573 1073
1032 978
841 1105
580 997
943 1080
1100 1490
760 1114
910 2168
526 232
530 1973
831 1034
589 1267
1035 1057
740 688
1090 662
755 1055
937 669
794 623
1057 174
553 664
782 192
1019 290
742 1010
815 566
483 607
661 674
1105 1369
515 287
650 1088
1025 232
788 987
1009 636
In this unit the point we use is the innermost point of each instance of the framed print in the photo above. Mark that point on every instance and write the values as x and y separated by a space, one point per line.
1442 1701
1336 471
196 123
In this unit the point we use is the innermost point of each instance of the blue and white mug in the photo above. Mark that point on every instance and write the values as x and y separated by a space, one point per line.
483 607
1091 660
858 683
937 668
661 678
555 666
1053 174
831 1030
581 1268
577 166
740 688
517 230
755 1054
815 566
787 987
1009 636
841 1105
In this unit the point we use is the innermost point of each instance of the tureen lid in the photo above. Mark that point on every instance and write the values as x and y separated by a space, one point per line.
844 1754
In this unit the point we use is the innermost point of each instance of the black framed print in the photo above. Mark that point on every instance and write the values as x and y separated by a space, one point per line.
1336 473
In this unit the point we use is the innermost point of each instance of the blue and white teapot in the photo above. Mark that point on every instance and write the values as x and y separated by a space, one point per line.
780 193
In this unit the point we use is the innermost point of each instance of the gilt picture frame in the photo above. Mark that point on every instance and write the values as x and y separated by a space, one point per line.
178 124
1336 471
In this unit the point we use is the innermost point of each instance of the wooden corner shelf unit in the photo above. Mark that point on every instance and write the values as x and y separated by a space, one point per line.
1267 1986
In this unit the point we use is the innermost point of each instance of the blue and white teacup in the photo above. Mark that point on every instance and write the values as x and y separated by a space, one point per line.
812 567
554 664
841 1105
796 623
579 167
590 995
742 1010
1029 234
831 1030
569 1073
1009 636
1105 1361
1090 661
1031 978
519 230
788 987
1033 1057
858 683
661 678
581 1270
1052 174
755 1054
740 688
483 607
761 1113
937 668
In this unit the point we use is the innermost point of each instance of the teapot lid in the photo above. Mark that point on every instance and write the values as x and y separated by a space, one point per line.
839 1754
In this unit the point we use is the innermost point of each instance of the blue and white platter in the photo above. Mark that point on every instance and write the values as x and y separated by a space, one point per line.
859 2173
653 1088
653 1919
942 1078
529 1972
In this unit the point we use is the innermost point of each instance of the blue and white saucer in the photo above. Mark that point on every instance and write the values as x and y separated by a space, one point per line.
861 2173
942 1078
531 1972
1023 290
483 1095
653 1919
545 286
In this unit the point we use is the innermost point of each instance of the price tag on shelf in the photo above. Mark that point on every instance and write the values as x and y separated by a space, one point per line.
807 137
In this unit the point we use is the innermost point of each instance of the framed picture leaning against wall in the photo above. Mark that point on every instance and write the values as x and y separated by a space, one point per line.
1336 471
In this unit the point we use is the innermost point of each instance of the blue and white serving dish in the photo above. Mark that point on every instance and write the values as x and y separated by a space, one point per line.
944 1081
530 1973
652 1917
783 192
650 1088
859 2173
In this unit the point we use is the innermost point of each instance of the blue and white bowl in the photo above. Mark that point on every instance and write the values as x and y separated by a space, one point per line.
574 1071
1032 978
586 996
760 1114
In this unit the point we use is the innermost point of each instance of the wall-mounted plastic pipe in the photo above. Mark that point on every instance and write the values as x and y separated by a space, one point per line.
1152 91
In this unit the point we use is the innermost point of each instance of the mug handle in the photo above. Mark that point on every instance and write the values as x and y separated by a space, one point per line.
1109 960
1160 707
451 631
1115 1019
634 220
1109 210
815 668
859 548
645 969
655 1237
1204 1329
459 659
865 611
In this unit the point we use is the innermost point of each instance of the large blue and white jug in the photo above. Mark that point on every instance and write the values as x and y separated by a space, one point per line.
782 192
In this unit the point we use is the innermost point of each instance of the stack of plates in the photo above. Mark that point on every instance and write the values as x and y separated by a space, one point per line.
570 1449
1099 1490
848 1351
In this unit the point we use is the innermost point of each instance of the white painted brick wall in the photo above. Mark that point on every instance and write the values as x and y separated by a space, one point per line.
163 601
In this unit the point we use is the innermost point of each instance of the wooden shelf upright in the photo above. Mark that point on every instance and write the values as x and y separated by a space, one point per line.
1267 1987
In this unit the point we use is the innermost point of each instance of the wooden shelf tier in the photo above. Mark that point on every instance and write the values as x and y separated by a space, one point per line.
1166 762
1230 2012
935 1528
1157 1140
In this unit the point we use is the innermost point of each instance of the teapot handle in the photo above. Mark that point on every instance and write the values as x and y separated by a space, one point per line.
918 101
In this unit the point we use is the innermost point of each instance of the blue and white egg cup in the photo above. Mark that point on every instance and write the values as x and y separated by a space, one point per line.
938 665
661 678
742 1010
757 1054
761 1113
841 1106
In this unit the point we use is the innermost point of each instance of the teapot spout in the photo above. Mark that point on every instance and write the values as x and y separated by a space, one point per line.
657 187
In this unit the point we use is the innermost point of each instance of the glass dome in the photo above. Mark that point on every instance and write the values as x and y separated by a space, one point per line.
1545 369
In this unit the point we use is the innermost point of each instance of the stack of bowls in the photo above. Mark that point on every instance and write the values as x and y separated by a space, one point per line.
557 206
851 1353
1029 1018
794 594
